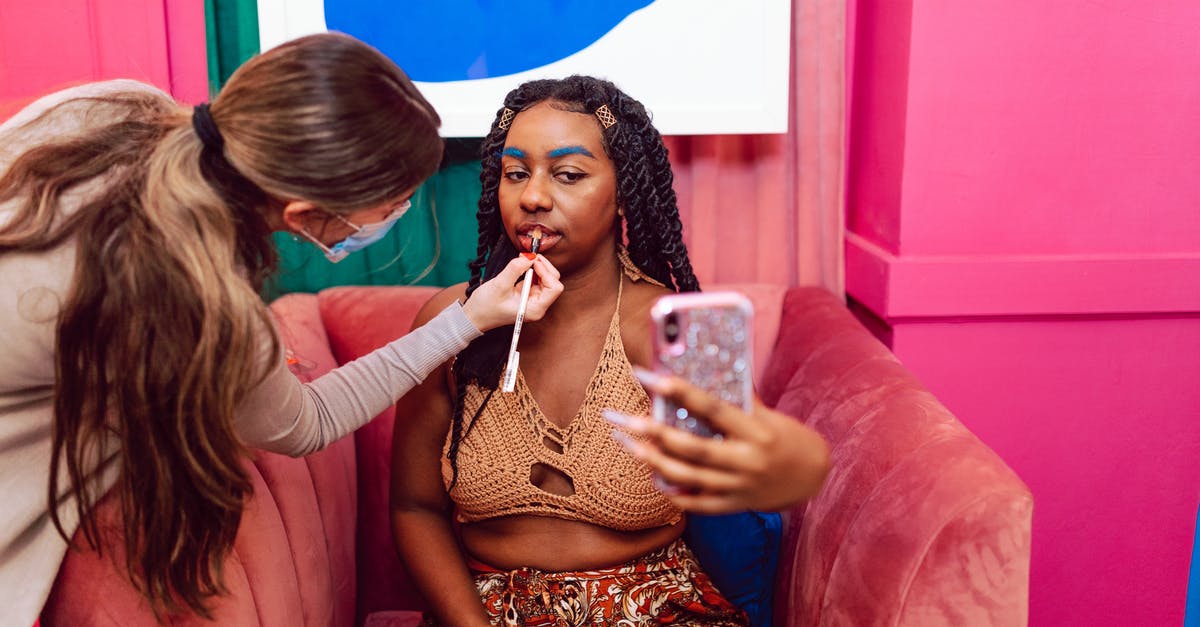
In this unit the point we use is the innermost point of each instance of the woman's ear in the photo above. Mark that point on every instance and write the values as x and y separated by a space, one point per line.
298 214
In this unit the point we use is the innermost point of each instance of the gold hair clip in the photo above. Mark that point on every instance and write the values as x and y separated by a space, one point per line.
607 119
506 117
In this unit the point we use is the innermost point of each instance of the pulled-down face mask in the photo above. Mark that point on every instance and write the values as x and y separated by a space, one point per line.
363 236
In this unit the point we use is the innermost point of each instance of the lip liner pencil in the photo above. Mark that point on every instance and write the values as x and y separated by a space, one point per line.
514 358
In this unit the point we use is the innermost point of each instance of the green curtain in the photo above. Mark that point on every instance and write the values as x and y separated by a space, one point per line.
430 245
232 29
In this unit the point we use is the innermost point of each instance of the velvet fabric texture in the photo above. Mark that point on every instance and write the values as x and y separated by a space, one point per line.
919 522
359 320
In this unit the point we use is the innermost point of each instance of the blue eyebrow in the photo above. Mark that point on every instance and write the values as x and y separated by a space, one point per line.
513 152
570 150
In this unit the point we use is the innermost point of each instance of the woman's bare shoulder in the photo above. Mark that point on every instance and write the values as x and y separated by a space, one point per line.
640 296
636 329
438 303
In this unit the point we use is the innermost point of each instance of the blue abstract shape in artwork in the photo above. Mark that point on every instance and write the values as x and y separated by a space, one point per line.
453 40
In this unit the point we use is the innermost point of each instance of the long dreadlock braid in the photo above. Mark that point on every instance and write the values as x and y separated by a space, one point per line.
644 190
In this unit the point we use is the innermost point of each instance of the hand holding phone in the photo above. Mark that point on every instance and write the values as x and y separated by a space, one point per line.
704 338
767 460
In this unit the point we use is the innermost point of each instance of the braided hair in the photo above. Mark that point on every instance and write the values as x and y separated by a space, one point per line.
652 227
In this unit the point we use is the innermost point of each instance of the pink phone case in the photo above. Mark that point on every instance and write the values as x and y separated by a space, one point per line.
704 338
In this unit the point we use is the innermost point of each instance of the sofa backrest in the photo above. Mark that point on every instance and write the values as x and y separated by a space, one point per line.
918 523
357 321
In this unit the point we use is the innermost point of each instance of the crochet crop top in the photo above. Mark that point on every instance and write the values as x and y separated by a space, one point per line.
611 487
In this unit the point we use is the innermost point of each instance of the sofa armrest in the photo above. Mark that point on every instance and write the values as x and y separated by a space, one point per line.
919 523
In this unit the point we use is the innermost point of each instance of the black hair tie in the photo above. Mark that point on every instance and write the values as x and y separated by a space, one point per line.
234 188
206 128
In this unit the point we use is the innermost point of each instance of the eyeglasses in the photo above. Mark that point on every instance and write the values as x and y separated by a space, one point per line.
392 216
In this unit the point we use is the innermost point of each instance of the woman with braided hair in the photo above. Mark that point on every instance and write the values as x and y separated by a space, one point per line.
559 520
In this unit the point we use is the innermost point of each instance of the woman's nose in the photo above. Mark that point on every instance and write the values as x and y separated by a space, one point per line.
536 195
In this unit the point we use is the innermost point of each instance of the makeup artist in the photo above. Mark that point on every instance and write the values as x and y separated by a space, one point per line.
134 235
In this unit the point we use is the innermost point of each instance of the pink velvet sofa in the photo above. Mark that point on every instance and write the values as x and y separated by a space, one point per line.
919 523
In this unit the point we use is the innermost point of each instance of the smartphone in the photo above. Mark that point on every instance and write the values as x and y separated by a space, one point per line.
704 338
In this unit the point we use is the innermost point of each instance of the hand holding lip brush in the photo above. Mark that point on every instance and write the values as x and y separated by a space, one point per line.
514 358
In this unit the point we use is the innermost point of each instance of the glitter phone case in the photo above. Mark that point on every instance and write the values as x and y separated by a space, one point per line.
704 338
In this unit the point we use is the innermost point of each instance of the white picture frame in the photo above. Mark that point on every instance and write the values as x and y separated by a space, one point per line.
700 66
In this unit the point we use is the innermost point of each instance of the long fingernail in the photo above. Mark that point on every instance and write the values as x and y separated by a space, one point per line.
633 446
648 378
616 417
529 256
666 487
631 423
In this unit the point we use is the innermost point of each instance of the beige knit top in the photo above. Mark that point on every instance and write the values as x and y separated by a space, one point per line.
512 435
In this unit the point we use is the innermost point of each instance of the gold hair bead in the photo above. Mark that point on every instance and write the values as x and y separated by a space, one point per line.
607 119
506 117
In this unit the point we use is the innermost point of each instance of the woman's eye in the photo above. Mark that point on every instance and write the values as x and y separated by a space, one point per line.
570 177
516 175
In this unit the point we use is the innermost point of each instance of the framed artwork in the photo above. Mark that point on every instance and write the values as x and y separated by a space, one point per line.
700 66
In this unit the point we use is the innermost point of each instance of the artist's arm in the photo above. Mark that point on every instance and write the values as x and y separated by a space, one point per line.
285 416
420 507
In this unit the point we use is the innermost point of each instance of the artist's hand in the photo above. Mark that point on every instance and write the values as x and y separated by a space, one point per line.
766 461
494 303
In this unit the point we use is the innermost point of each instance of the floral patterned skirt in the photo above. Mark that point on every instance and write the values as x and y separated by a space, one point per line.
663 587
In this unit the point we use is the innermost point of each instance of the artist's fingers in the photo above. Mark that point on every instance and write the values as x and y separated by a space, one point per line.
544 268
513 270
725 418
545 291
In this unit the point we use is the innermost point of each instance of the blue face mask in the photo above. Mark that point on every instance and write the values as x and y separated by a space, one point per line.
362 237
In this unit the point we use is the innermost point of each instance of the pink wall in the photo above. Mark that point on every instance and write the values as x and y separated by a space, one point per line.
1105 435
49 44
1024 214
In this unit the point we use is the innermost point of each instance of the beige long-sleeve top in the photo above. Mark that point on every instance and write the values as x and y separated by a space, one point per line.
280 415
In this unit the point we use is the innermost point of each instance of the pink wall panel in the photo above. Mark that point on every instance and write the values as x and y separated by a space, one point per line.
922 286
1059 127
186 46
1099 417
1023 216
878 84
49 44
